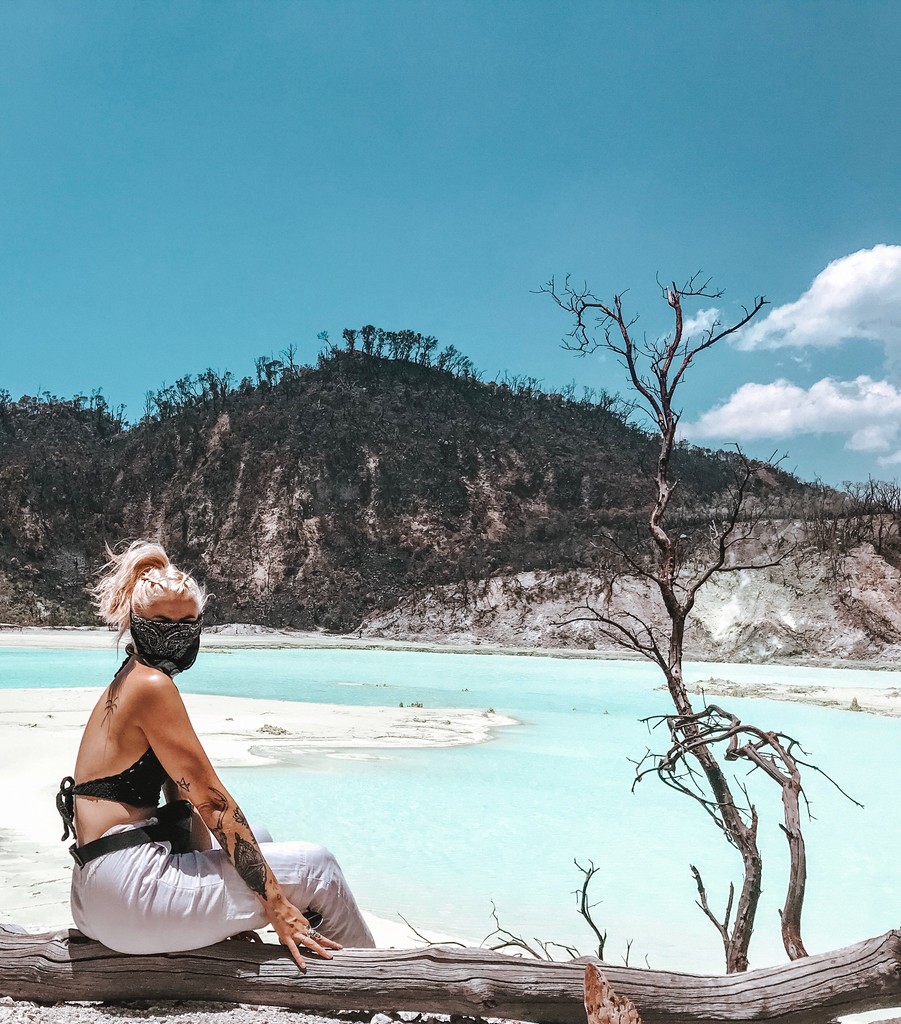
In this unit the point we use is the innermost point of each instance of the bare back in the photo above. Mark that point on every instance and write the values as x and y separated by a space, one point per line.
112 742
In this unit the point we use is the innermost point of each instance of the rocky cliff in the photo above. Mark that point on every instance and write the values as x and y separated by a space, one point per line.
800 610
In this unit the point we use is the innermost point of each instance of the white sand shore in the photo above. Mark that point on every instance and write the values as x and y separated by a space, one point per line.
867 699
39 735
243 635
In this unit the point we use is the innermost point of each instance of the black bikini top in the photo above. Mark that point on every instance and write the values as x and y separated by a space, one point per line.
138 786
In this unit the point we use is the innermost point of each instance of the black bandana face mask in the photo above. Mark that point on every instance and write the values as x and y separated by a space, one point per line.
170 646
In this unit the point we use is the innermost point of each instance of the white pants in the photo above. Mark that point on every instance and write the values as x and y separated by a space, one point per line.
148 900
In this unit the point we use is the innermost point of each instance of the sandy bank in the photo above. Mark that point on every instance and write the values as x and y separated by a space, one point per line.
867 699
39 735
243 636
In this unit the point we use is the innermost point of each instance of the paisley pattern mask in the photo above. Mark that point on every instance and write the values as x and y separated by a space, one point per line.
169 646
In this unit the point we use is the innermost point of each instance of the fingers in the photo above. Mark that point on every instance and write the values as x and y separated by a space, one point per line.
317 943
323 941
312 941
294 931
295 953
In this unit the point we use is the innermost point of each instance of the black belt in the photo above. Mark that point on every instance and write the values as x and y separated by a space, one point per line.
174 828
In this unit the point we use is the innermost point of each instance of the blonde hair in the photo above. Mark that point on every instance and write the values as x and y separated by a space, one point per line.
135 578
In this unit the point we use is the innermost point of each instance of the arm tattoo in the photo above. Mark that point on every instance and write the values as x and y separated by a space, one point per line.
247 858
250 866
217 804
184 784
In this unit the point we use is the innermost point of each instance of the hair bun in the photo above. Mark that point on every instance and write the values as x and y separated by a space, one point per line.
135 576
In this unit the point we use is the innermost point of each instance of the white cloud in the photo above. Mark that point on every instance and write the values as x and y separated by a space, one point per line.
867 411
855 297
702 321
877 437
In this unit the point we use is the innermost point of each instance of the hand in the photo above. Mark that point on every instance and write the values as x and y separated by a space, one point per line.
293 930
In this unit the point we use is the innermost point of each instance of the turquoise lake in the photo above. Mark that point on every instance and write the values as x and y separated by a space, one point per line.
436 835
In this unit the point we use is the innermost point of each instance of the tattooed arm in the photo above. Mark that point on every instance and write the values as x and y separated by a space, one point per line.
226 821
181 790
162 717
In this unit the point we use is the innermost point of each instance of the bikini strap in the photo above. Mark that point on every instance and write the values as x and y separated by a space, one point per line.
65 804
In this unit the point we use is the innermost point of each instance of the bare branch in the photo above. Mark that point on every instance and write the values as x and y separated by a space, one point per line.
721 926
585 906
508 940
429 942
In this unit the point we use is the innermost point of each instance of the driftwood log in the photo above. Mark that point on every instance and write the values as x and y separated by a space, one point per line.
602 1004
444 979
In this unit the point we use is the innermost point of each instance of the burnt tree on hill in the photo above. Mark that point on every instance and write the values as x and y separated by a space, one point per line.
684 548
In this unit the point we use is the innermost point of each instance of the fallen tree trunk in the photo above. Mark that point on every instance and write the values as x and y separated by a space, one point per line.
602 1004
444 979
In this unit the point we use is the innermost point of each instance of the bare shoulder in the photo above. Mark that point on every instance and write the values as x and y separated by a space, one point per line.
151 685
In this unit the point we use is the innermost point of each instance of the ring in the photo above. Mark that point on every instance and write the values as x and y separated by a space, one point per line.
313 934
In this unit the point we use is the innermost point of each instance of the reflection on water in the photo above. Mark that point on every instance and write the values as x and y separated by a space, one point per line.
439 834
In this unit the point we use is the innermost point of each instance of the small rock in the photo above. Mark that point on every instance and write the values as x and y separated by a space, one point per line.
381 1018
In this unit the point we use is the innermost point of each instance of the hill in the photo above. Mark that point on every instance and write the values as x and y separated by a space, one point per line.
312 497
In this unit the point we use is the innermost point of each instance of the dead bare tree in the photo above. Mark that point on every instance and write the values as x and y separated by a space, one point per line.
677 565
875 508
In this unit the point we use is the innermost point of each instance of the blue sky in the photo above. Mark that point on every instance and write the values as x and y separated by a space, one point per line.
194 184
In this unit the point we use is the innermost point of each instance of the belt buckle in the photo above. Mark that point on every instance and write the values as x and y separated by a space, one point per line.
76 856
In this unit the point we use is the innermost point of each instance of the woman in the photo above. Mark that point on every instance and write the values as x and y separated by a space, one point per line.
157 880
